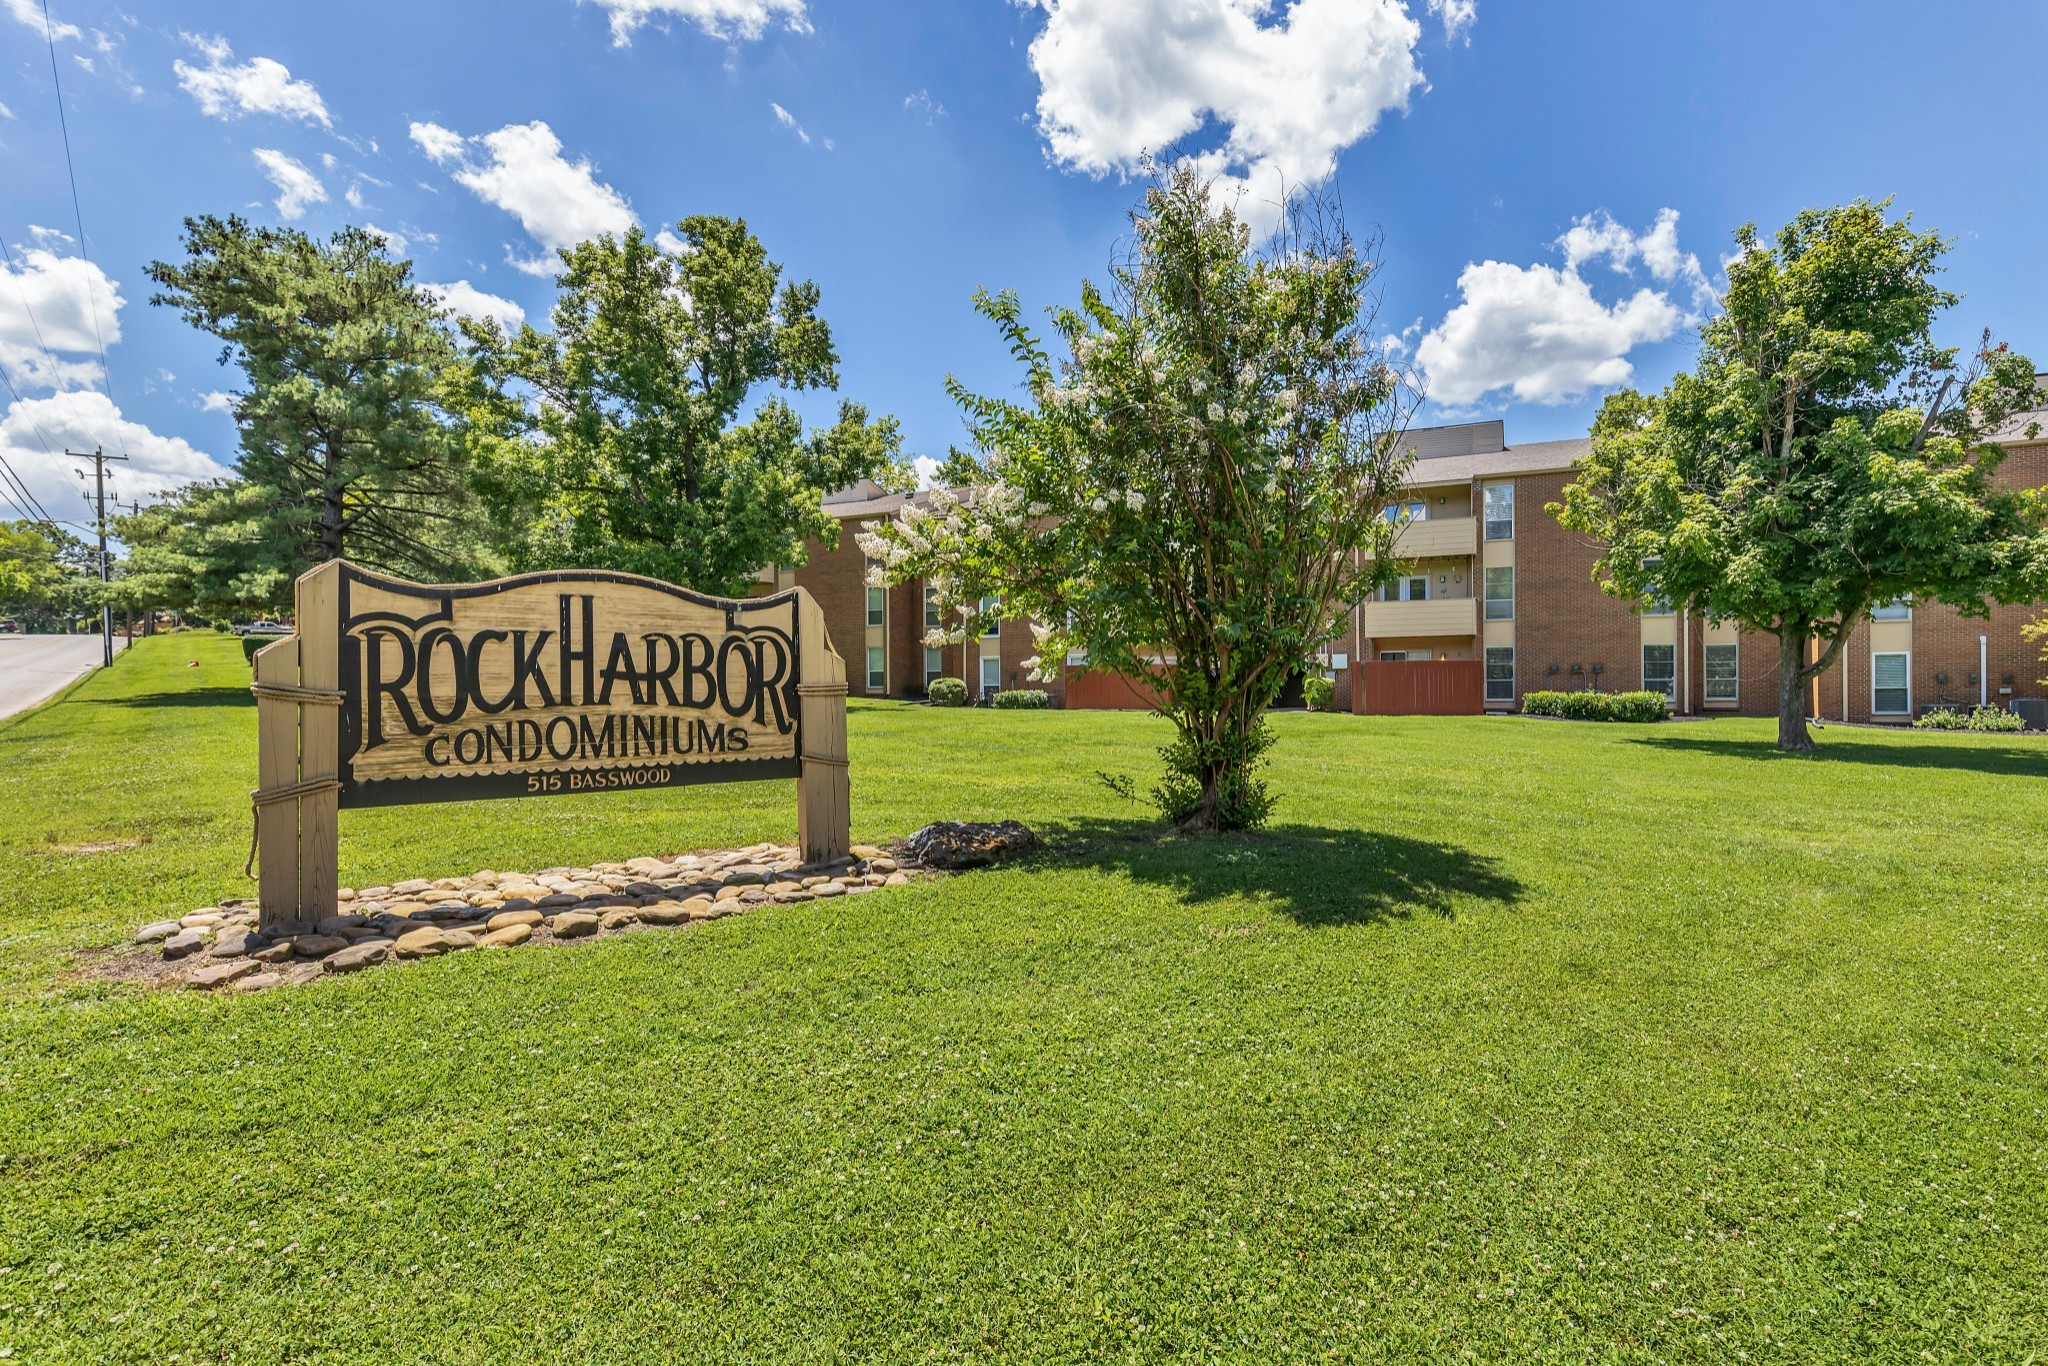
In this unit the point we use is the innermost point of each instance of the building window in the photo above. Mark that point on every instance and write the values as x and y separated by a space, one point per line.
1500 673
1723 677
1500 512
878 680
1407 588
933 667
1900 609
1655 604
1393 656
877 605
931 609
1407 512
994 628
1660 669
1891 692
1500 593
991 673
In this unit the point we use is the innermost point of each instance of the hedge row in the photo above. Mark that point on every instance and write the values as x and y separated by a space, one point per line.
1596 706
1977 718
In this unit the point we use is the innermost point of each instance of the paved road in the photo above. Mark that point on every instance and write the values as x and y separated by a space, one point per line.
33 667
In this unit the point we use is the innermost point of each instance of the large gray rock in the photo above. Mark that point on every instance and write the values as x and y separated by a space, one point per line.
157 933
215 975
357 958
184 944
970 844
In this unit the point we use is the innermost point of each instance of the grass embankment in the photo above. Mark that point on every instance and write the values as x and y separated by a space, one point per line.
1522 1039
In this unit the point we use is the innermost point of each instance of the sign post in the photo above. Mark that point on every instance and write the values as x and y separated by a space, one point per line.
574 681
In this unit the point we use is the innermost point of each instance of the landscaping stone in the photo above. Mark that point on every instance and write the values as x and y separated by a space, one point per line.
427 942
970 844
235 943
183 944
215 975
574 925
317 945
419 918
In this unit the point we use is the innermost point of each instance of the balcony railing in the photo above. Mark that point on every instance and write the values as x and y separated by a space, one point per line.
1434 536
1441 617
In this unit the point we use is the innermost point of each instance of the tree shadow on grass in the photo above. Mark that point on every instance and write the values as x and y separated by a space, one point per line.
2022 759
190 697
1320 877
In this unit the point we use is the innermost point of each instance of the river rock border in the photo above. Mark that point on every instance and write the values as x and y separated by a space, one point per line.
220 948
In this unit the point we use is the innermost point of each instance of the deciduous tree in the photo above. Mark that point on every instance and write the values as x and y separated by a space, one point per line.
616 440
1192 493
1825 455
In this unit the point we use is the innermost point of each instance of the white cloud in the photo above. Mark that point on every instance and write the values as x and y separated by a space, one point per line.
257 86
788 120
218 401
1122 78
297 187
729 19
467 301
80 421
48 304
923 103
31 12
5 112
441 145
670 243
927 471
559 202
1458 17
1539 333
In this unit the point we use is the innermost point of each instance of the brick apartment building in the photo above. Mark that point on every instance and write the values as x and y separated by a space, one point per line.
1496 599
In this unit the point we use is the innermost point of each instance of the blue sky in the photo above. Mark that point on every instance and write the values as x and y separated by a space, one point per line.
1554 185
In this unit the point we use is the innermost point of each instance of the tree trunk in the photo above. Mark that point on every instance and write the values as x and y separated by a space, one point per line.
1792 732
1207 819
331 544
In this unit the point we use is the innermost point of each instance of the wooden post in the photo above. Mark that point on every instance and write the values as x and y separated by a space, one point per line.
298 759
277 769
318 625
824 817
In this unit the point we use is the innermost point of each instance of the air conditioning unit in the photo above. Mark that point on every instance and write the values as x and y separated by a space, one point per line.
2033 709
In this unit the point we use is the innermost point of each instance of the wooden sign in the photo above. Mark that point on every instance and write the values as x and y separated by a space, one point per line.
565 682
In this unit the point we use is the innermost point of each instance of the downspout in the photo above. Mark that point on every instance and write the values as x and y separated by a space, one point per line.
1983 671
1685 662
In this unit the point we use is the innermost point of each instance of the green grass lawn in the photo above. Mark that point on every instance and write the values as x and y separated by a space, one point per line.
1513 1040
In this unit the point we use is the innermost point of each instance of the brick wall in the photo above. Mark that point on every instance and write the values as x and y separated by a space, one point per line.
837 578
1561 616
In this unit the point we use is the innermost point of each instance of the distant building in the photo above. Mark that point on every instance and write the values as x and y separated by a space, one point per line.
1496 597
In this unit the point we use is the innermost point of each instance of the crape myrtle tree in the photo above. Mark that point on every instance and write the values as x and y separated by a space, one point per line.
616 440
1192 493
1824 457
345 428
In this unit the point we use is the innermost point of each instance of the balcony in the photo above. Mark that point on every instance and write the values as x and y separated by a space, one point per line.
1430 537
1441 617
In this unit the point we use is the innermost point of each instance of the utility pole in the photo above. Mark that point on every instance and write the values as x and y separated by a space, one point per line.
99 460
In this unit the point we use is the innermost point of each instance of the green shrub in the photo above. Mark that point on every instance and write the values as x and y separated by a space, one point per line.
1320 694
251 644
1021 699
947 692
1977 718
1596 706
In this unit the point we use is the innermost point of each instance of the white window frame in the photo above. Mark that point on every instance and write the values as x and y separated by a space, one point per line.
995 625
1907 656
934 666
1734 679
989 685
1498 609
1489 521
878 607
1399 512
1670 692
1393 656
1397 591
931 610
878 669
1900 610
1509 694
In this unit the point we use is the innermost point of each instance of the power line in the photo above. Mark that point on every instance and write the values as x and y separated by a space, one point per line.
77 213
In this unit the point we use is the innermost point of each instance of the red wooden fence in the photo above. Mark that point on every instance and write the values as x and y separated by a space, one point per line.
1435 687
